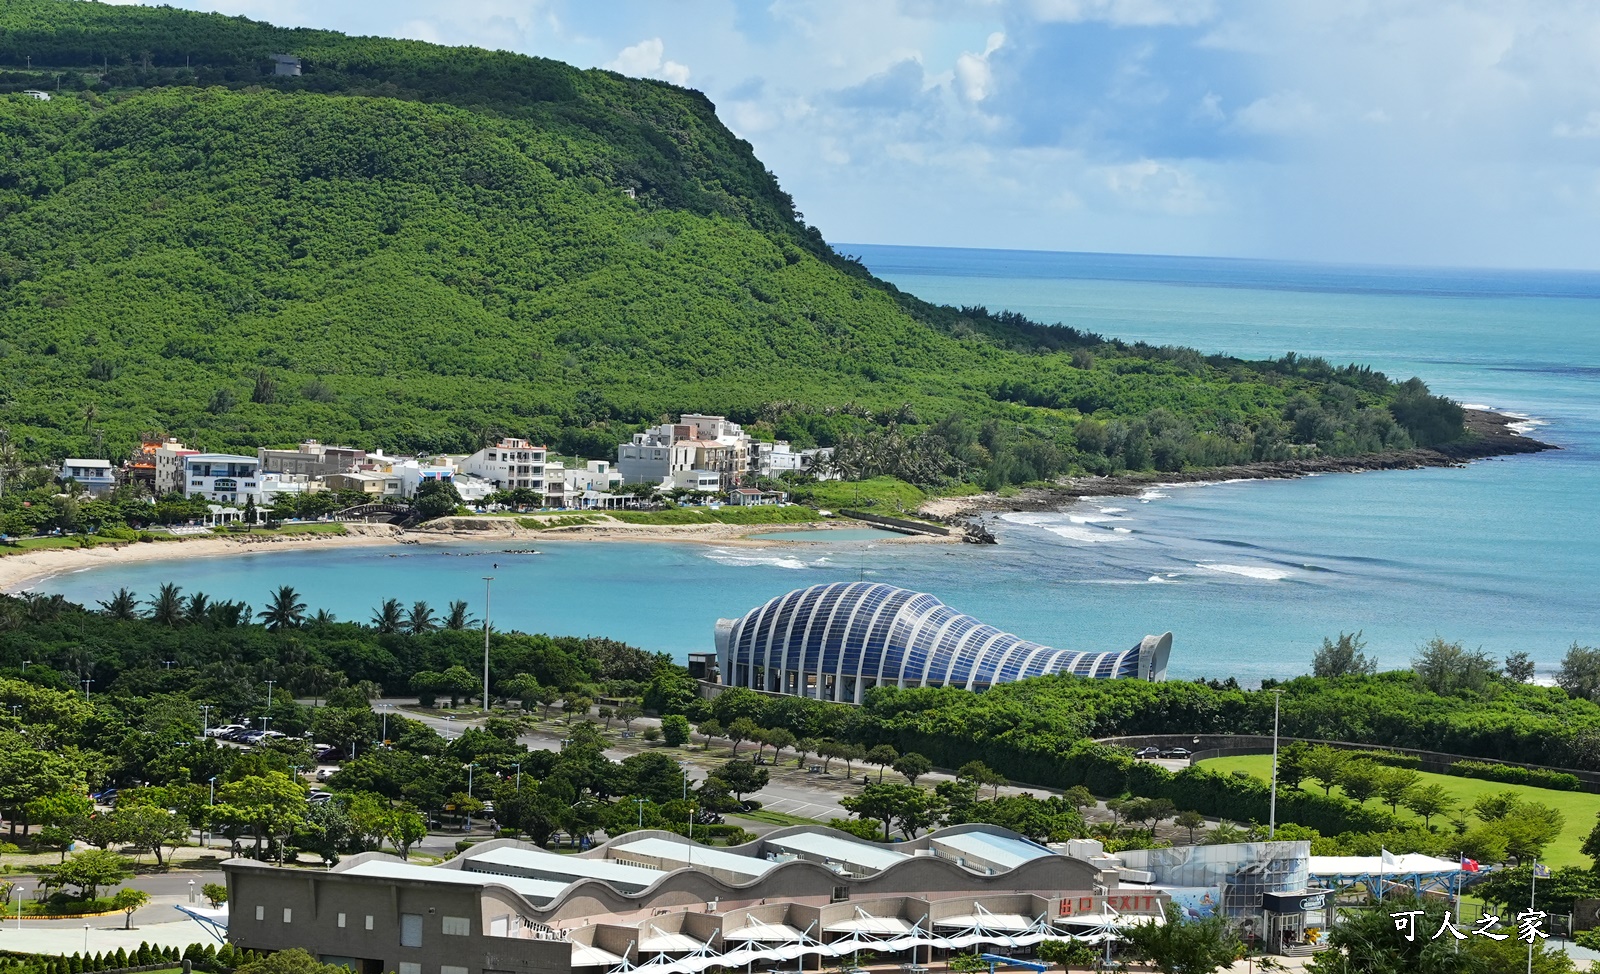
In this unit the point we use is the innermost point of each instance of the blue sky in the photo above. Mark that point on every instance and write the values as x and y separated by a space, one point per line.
1441 132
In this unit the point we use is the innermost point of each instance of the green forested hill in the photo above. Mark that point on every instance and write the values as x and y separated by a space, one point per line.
414 247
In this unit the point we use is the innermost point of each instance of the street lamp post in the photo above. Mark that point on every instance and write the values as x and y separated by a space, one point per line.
386 725
487 579
1272 813
641 803
213 804
205 720
191 891
86 684
270 684
519 777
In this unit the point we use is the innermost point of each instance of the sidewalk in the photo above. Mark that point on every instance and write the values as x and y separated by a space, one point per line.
104 933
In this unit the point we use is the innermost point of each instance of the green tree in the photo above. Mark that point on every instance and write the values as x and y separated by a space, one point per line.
129 901
913 766
1184 947
981 774
271 806
1428 801
291 961
122 606
215 893
1361 778
742 777
882 755
1447 668
389 616
906 807
1580 672
458 682
742 729
150 827
1191 822
1343 657
284 610
1323 765
166 606
1394 784
1520 668
436 498
89 871
675 730
420 619
1067 953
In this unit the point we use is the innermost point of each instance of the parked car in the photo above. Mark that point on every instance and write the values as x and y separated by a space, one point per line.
1146 753
1176 752
224 730
318 797
708 818
323 774
488 808
106 797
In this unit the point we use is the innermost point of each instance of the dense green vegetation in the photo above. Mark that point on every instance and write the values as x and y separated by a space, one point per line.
415 247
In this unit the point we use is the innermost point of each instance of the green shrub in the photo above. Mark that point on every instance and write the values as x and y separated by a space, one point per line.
1513 775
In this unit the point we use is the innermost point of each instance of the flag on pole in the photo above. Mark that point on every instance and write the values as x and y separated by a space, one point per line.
1389 861
1541 871
1469 865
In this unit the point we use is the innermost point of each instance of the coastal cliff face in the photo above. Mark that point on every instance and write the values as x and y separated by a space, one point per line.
417 248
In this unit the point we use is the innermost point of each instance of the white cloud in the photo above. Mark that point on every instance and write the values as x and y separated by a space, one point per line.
1589 128
646 60
1281 113
973 75
1126 13
1153 184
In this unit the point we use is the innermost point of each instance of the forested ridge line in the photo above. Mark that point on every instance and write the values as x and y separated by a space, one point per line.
418 248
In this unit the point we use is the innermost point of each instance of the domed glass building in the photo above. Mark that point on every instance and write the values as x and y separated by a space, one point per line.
837 641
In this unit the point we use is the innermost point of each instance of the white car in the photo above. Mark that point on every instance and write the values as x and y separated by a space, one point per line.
224 729
323 774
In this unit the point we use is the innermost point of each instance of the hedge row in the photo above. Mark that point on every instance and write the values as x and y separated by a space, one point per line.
1513 775
1107 770
200 957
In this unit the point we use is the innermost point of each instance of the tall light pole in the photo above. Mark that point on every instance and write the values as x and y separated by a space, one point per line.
205 720
386 725
269 696
86 684
487 579
213 804
519 777
1272 813
641 803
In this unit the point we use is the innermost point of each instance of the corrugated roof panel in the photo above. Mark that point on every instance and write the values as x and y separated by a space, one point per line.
841 850
998 849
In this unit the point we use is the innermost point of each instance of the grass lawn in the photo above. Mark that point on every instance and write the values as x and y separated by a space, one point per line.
880 495
775 818
767 514
311 527
1580 808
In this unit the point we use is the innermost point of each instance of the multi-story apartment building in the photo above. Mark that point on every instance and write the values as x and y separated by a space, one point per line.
222 477
95 476
695 442
310 459
169 455
509 464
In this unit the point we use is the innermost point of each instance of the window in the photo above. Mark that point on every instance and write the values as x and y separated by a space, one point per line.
447 969
288 914
261 913
369 921
457 927
409 968
411 930
341 921
841 893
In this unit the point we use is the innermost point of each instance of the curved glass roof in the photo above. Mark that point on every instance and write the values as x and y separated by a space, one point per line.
836 640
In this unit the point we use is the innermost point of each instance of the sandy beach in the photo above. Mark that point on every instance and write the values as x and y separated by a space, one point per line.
21 571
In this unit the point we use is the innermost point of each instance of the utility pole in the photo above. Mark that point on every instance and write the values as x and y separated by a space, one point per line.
1272 815
487 579
86 684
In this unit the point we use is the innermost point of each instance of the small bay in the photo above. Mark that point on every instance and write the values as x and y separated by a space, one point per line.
1503 554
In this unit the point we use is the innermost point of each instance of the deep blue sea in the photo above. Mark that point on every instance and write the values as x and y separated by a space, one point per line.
1504 554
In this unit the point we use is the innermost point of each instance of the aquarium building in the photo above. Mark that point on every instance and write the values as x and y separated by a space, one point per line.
837 641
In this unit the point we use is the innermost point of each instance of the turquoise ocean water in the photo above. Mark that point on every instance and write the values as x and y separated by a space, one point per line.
1504 554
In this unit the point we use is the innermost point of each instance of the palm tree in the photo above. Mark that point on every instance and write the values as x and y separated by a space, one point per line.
420 619
284 611
458 618
388 617
198 609
122 606
230 615
323 618
166 607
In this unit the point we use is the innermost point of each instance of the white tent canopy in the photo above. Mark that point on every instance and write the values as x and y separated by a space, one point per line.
758 930
864 922
658 941
584 955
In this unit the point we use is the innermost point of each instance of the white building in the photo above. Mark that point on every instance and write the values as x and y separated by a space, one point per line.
695 442
224 478
95 476
601 476
704 481
473 490
509 465
169 458
36 93
774 459
412 473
